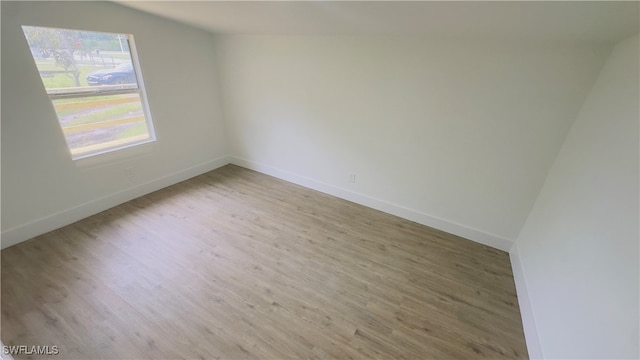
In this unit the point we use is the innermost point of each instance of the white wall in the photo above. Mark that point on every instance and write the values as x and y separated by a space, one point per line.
578 250
42 188
454 134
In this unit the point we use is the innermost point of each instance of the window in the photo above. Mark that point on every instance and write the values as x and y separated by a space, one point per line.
95 86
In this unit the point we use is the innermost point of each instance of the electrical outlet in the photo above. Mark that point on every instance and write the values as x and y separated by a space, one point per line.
352 178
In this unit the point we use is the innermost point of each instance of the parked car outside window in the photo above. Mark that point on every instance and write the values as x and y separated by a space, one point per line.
121 74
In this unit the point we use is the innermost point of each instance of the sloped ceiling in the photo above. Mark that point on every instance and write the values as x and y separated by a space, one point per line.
556 21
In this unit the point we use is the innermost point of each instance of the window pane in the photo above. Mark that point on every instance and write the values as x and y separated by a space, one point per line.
92 80
99 123
78 61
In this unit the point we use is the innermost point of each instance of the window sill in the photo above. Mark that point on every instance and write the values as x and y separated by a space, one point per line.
112 157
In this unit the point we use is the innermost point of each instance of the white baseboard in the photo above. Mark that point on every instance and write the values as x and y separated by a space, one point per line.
526 312
40 226
384 206
51 222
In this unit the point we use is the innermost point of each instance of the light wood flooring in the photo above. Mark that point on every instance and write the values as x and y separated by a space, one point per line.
234 264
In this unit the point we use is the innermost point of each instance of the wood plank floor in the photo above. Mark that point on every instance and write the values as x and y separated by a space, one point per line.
234 264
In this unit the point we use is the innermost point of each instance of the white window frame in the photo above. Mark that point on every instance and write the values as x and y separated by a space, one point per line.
106 90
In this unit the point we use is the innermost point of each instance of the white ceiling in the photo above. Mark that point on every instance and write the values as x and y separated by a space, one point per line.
574 21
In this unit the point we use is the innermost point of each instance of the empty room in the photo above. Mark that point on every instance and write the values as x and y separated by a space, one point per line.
320 180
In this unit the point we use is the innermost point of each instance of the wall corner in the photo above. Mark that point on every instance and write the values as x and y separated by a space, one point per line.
526 311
